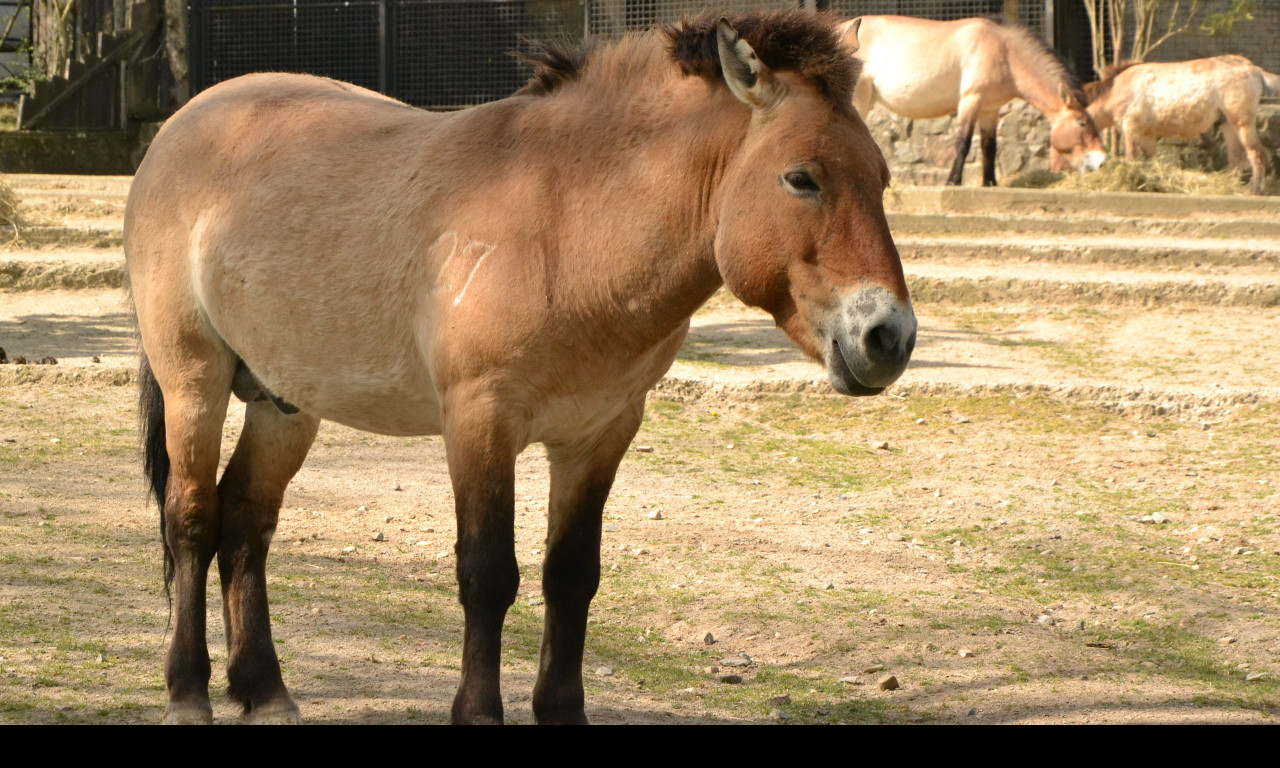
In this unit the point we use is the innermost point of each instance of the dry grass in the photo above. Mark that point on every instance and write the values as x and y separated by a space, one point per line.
10 217
1132 176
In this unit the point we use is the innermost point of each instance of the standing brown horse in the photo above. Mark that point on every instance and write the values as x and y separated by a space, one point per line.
519 272
970 68
1183 99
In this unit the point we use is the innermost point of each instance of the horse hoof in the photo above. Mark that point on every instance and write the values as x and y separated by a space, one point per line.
188 714
274 713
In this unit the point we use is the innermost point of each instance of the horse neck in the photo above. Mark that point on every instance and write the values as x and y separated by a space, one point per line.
649 199
1035 82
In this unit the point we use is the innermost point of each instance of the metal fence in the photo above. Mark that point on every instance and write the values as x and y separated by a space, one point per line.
453 53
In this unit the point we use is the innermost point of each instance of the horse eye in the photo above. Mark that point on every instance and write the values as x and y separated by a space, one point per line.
800 183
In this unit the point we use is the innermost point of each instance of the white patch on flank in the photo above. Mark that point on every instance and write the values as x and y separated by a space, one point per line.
488 249
439 245
194 254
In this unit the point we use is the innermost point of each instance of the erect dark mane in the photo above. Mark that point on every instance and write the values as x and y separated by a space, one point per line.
1050 58
553 62
1100 88
791 39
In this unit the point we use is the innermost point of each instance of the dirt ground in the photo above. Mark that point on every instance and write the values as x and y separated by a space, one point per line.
1062 513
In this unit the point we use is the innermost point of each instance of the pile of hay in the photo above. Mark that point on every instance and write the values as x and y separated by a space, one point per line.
10 218
1145 176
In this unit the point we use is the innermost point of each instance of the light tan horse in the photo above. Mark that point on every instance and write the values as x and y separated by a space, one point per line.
923 69
1184 99
519 272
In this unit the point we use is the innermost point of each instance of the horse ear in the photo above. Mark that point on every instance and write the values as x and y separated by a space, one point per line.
1068 97
748 77
850 38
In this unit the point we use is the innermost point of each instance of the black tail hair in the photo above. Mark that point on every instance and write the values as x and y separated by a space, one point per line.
155 456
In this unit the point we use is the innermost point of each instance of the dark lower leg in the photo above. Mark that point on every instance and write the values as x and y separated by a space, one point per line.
190 530
988 159
571 575
964 139
488 579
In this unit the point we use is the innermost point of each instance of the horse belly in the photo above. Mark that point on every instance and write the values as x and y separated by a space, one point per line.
349 356
916 90
1176 112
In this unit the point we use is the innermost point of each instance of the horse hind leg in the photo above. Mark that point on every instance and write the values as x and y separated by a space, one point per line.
987 130
270 451
966 120
1248 136
581 476
185 389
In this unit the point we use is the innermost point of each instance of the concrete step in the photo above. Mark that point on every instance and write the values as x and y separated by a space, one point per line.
1089 204
1153 251
901 223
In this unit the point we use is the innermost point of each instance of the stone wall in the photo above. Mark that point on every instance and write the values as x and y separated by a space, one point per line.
920 151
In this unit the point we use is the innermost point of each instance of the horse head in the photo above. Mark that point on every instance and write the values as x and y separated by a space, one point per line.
801 229
1073 136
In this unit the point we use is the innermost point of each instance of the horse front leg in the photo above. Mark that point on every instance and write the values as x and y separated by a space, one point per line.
581 475
966 120
270 452
482 454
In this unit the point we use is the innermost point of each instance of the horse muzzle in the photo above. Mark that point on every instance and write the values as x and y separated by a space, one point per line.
1094 159
870 341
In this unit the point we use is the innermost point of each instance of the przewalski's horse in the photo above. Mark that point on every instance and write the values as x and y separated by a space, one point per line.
1184 99
923 69
518 272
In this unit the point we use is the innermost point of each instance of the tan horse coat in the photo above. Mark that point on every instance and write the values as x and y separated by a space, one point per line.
519 272
1147 101
922 69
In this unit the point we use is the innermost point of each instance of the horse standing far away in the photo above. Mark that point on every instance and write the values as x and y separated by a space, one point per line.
1184 99
522 271
921 69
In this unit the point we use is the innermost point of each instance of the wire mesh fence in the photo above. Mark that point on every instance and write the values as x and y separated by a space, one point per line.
454 53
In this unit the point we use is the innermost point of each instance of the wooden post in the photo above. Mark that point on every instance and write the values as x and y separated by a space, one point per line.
177 31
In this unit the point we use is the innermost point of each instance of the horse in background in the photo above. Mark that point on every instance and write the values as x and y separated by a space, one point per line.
921 69
1151 100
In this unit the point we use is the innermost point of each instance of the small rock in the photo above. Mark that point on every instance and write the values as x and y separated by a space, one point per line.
655 515
610 528
348 550
1228 640
1159 518
961 419
1236 551
780 701
535 601
49 360
604 671
708 639
55 441
1249 678
883 445
102 658
362 508
644 449
874 668
897 537
971 713
729 678
386 519
397 487
1045 619
828 585
965 653
851 680
888 683
916 719
778 714
737 661
95 359
379 536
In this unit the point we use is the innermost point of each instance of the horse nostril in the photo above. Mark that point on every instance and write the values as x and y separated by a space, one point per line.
880 342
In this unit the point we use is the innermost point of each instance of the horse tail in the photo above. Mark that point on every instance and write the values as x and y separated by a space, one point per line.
1270 82
155 456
